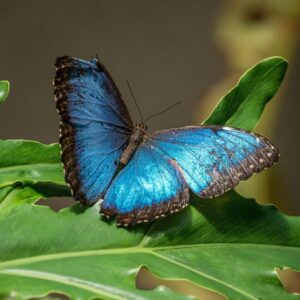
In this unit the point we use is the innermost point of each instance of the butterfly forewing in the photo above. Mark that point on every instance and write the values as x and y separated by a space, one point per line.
95 126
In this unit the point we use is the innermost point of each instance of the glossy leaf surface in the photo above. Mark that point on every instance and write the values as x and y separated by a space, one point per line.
30 163
229 244
243 105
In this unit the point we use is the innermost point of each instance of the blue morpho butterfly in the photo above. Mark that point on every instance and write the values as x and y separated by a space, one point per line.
139 177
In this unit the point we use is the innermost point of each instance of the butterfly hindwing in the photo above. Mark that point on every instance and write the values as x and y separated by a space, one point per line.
95 126
207 159
150 186
213 159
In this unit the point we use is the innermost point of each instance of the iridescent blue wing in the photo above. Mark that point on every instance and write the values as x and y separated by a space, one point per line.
95 126
150 186
213 159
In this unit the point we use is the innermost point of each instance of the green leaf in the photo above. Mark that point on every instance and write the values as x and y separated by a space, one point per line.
242 107
4 90
30 162
229 244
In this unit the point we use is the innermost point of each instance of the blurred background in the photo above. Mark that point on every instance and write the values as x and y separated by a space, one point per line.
188 50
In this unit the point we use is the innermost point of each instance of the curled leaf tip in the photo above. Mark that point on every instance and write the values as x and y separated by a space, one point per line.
4 90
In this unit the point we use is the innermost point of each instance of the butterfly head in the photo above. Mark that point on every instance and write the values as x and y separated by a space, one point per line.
141 126
138 134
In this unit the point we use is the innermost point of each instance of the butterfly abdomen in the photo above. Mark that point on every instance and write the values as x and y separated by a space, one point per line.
135 139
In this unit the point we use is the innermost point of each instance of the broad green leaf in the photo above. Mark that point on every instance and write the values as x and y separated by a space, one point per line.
4 90
242 107
30 162
229 244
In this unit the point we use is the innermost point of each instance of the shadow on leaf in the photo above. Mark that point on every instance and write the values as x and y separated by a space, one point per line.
233 215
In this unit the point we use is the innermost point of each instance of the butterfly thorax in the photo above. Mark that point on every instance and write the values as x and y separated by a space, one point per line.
135 139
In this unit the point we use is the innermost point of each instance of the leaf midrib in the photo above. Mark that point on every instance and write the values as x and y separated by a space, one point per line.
5 266
149 250
92 287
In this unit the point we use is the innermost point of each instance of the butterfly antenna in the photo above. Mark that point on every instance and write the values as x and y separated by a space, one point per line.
136 104
164 110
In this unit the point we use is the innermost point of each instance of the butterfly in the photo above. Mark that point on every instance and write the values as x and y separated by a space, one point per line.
135 176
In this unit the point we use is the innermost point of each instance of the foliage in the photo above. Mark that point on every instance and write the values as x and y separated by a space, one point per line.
229 244
4 90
